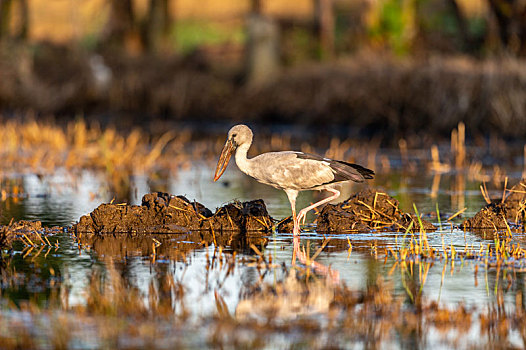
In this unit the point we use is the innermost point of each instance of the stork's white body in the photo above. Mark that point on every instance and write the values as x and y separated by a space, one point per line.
290 171
285 171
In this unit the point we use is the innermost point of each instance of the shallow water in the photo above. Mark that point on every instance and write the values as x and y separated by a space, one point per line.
60 199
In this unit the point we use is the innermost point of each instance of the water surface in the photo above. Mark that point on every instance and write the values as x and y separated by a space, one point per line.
61 198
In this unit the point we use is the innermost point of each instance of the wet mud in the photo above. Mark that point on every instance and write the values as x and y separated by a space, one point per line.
163 213
368 210
242 224
31 232
501 214
286 225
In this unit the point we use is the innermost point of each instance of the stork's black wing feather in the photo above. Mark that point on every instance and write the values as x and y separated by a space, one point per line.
366 173
343 171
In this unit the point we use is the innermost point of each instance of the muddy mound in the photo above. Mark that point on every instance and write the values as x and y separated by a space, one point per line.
515 203
162 213
286 225
501 214
368 210
246 216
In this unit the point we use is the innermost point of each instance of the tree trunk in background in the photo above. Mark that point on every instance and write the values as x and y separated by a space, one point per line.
262 48
157 26
510 19
23 30
324 19
502 21
522 28
462 25
120 31
5 18
6 15
256 6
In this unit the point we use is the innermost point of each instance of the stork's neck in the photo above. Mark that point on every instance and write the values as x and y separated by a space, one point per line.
243 163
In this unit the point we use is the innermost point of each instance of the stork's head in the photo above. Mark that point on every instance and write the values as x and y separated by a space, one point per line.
237 136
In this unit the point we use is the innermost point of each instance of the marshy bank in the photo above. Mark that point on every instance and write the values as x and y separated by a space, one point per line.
368 93
211 288
368 211
96 133
163 213
200 289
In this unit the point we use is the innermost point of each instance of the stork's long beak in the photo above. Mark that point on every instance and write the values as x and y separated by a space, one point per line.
226 153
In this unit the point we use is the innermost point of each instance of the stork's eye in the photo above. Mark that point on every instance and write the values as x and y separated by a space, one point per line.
234 135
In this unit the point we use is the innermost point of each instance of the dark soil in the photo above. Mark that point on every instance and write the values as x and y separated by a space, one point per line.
286 225
499 214
367 211
162 213
58 80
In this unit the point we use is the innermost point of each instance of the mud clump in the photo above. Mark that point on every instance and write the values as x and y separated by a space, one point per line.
159 212
501 214
366 211
163 213
492 216
286 225
515 203
246 216
31 232
25 226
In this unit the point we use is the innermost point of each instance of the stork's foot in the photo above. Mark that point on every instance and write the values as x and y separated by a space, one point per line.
302 215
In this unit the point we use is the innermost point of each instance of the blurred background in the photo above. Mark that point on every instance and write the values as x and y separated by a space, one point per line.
374 67
103 101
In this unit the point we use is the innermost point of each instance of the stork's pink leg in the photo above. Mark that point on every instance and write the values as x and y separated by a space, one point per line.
296 229
292 194
333 275
303 212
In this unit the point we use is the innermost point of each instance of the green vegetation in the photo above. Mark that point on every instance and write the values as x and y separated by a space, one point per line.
393 25
191 34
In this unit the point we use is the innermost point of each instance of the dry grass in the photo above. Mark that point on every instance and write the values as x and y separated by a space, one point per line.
44 148
40 146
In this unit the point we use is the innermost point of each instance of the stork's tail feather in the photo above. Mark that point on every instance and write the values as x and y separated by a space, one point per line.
366 173
343 171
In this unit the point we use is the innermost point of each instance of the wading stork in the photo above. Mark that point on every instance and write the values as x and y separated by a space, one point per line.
289 171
